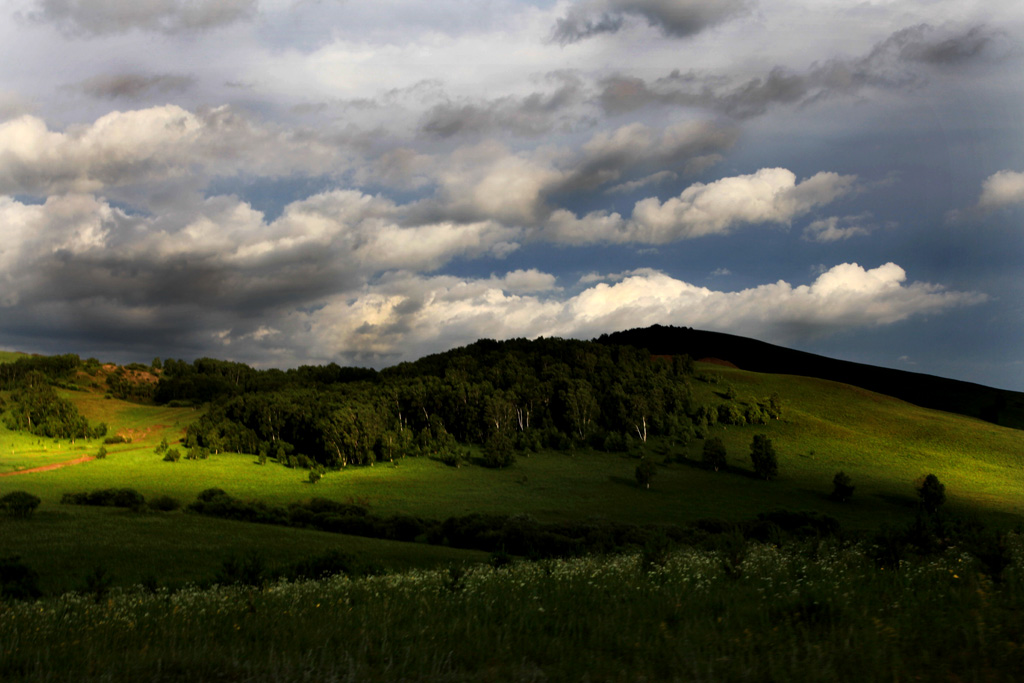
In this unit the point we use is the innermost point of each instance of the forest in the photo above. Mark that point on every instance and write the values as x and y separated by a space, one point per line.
508 398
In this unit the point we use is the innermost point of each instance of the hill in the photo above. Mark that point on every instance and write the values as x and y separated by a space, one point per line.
998 406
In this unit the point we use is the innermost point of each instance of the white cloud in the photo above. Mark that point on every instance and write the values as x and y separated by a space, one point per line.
835 229
1002 189
149 146
407 316
771 195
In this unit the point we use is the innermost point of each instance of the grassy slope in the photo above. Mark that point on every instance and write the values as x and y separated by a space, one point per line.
884 444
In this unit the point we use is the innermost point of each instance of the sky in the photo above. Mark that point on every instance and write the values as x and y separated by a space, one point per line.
287 182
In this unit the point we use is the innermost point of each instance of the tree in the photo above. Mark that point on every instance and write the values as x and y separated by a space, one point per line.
932 492
762 455
19 504
842 487
644 473
499 451
714 453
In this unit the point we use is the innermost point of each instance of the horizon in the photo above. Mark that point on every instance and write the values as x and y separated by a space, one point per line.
286 182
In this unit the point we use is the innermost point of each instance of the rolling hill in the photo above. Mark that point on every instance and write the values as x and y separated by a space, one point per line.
998 406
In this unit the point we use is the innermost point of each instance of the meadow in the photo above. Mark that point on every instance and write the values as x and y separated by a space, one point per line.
147 594
814 611
883 444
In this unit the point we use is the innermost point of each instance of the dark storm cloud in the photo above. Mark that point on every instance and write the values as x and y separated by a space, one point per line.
889 65
608 157
920 44
134 85
536 114
93 17
677 18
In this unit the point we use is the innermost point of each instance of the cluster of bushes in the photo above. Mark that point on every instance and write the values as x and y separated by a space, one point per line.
316 513
120 498
19 504
514 534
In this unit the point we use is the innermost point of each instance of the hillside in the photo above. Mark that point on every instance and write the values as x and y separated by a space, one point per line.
884 444
998 406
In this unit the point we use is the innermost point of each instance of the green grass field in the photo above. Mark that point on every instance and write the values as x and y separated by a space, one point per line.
817 612
882 443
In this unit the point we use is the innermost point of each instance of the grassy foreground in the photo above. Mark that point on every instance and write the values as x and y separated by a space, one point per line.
815 612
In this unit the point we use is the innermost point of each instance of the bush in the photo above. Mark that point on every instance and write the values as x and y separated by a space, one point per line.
321 566
117 438
713 455
644 473
315 475
172 455
19 504
842 487
762 454
932 492
499 451
17 580
207 495
121 498
247 570
101 453
164 504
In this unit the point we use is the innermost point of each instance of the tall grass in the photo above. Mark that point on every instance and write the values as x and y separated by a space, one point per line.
816 612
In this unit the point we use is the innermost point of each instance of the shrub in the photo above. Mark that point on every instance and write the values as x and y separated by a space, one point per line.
499 451
321 566
247 570
644 473
101 453
19 504
173 455
932 492
121 498
713 455
208 495
315 475
842 487
762 455
17 580
117 438
164 504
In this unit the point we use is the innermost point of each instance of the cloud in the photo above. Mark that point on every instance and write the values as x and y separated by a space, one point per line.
225 257
134 85
408 316
688 146
1001 190
835 228
893 63
150 146
98 17
532 115
677 18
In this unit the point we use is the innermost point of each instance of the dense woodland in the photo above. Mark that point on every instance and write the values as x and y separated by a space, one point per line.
503 398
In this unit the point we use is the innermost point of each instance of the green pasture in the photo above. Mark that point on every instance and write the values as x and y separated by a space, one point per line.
883 444
65 543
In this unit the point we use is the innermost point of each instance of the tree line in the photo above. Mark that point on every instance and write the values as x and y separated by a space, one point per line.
506 398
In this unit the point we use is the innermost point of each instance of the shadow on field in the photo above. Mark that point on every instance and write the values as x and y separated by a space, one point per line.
898 500
624 481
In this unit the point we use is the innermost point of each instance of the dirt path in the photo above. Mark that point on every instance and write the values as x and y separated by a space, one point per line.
53 466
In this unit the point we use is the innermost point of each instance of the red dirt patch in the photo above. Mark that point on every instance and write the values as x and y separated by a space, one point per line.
53 466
